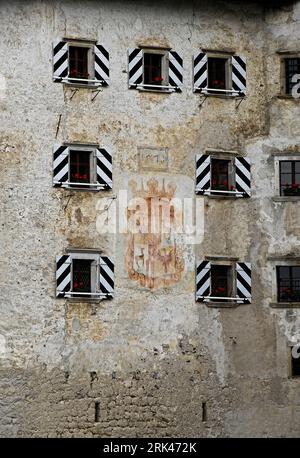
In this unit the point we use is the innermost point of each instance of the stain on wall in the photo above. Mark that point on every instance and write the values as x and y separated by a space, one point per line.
158 355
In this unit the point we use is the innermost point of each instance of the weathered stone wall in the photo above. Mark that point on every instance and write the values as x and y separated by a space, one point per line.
152 356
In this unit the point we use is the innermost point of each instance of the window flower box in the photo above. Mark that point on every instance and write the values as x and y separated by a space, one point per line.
292 190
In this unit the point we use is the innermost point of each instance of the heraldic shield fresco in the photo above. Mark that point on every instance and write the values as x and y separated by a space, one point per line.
153 257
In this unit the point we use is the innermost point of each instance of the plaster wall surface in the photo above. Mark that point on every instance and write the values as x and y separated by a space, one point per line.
151 356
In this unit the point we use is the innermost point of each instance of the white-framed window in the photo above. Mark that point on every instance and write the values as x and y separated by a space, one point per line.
217 73
223 175
294 361
287 176
82 167
154 69
84 274
289 69
80 62
223 281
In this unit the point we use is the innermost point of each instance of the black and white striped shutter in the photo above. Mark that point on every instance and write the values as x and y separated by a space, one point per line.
203 173
239 74
243 176
175 70
200 71
60 164
63 275
107 279
243 282
135 67
60 60
104 168
101 64
203 280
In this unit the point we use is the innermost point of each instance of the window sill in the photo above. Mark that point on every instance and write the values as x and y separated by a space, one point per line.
282 305
70 188
156 91
77 300
82 86
286 198
223 197
221 96
222 304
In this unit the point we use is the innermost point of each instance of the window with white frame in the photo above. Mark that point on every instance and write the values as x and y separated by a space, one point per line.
154 69
80 62
294 361
288 283
219 74
82 167
290 68
223 281
287 175
223 175
84 275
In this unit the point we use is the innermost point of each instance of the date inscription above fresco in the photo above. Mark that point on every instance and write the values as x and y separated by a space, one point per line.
153 159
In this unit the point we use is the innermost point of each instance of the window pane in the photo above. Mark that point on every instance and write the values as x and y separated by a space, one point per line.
284 271
296 272
81 275
286 179
80 166
220 281
78 62
153 69
297 166
217 73
220 174
286 166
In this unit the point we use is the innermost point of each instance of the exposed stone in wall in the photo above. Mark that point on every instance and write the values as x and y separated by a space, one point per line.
152 355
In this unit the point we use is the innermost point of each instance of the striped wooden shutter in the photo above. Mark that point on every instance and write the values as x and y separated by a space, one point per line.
104 168
175 70
63 275
239 74
135 67
107 281
243 176
101 64
203 280
60 60
203 173
243 282
60 164
200 71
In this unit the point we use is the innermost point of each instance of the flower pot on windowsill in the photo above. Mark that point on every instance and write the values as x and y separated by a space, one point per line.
292 191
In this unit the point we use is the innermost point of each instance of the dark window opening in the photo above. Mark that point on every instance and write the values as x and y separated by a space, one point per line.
292 67
97 411
153 69
295 363
220 175
80 167
78 62
220 281
290 178
81 276
217 73
204 412
288 283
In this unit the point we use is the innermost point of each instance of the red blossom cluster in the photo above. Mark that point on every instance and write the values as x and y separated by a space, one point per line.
78 176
